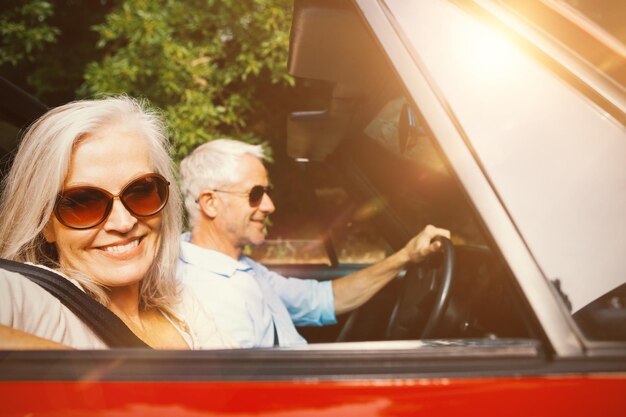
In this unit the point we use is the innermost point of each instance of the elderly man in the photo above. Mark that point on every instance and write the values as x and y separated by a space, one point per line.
224 183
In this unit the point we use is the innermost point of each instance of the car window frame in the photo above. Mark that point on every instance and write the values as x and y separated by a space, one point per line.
561 331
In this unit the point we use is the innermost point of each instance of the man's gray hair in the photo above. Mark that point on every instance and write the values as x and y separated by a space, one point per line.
212 165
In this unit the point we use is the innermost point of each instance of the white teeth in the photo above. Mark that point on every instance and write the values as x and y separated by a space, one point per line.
122 248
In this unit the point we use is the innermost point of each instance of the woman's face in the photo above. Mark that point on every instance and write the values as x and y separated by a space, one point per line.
120 250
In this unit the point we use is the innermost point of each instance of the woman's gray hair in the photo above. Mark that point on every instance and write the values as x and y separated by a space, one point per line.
212 165
38 173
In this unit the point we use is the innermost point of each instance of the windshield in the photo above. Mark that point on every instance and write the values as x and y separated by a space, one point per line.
555 157
430 193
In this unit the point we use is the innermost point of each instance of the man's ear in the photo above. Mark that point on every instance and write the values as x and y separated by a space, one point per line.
207 204
48 232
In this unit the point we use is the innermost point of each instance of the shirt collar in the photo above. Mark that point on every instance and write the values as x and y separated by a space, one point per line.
209 259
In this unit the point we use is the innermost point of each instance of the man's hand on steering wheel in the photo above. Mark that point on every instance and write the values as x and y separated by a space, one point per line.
352 291
422 245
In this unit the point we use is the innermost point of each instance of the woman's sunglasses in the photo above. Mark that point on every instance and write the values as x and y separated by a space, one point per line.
255 195
85 207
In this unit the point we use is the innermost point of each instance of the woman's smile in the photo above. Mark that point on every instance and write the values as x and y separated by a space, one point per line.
121 250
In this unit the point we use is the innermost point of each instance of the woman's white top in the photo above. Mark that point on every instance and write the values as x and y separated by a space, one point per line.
26 306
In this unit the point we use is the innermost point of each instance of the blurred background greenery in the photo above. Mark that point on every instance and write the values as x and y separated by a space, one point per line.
214 68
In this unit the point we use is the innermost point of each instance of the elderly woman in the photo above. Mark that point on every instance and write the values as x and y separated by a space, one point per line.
91 196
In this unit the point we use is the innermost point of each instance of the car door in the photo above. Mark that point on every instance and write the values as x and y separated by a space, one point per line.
405 154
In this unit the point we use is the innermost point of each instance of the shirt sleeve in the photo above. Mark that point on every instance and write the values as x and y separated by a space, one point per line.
309 302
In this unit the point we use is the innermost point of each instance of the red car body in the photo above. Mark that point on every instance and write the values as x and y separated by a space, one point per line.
536 396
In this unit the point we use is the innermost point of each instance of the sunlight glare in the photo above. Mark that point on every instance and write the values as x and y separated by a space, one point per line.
491 55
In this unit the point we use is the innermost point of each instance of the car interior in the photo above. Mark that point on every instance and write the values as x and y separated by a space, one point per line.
373 177
376 175
17 110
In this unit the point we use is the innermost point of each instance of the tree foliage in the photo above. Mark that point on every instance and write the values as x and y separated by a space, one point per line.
50 70
203 62
216 68
24 29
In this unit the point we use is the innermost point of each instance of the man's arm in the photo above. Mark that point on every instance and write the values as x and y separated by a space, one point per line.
355 289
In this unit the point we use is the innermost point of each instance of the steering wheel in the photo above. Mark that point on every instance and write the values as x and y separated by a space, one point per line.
423 296
421 284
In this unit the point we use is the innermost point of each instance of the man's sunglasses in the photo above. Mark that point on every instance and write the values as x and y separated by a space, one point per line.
255 195
85 207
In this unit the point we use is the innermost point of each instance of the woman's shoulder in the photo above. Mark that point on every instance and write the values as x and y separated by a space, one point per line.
26 306
19 292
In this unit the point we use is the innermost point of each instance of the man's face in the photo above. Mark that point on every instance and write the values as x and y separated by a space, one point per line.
238 221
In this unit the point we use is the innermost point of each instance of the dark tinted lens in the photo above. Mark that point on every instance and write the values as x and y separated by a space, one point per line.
82 208
146 196
256 195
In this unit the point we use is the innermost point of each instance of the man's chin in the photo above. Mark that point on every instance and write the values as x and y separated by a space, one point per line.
257 240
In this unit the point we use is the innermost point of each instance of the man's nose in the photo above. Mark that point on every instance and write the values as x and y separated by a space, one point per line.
267 205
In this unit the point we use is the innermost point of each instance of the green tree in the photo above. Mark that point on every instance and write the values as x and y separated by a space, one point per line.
203 62
215 68
46 45
24 29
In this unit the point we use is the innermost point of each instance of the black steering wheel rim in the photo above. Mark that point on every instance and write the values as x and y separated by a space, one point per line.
404 320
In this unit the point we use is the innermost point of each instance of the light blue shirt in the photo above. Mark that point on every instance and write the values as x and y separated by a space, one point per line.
247 300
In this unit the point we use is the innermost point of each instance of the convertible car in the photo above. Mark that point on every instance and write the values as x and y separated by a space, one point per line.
504 122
